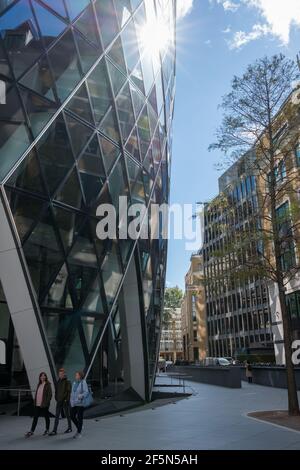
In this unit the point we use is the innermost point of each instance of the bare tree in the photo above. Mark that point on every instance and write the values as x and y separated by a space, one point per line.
261 123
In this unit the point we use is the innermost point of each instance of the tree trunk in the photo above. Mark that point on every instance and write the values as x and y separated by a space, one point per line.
287 337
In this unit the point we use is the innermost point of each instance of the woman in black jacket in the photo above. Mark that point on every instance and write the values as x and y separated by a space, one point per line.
42 401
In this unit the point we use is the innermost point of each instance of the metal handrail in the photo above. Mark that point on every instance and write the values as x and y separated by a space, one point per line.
19 390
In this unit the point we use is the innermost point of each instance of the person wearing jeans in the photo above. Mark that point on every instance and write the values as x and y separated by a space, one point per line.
62 397
79 392
42 401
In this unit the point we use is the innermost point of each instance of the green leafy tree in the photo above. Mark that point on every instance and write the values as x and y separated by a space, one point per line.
261 124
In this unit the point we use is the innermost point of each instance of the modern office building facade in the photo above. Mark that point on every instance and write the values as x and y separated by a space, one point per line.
193 312
238 309
86 107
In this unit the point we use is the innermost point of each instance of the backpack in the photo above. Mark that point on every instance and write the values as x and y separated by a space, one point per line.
88 400
249 368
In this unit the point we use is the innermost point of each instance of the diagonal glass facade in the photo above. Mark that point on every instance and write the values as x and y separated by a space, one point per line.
86 118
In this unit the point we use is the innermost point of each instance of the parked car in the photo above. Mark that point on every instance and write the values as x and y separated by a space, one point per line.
216 361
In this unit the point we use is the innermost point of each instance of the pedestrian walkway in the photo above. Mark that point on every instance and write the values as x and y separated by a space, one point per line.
212 418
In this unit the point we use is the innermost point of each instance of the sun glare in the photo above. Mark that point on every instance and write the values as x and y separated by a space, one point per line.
154 37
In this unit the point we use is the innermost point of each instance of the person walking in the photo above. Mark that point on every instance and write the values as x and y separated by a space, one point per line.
249 373
79 392
62 397
42 401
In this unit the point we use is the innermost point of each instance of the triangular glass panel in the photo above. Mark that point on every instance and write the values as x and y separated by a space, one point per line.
79 134
70 193
26 211
68 224
137 77
92 186
56 5
100 93
110 153
118 185
75 7
118 79
55 154
4 66
59 295
39 110
132 145
129 41
137 99
144 132
125 112
93 302
91 160
109 126
82 275
27 176
111 273
116 54
88 53
50 25
138 191
123 11
42 252
91 326
39 79
107 19
80 105
86 24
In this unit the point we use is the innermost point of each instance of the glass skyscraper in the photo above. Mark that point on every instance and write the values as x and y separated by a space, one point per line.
86 106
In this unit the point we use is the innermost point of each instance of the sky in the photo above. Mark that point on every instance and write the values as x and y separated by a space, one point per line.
216 39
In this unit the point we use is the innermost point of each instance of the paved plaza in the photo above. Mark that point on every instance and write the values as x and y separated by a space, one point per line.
212 418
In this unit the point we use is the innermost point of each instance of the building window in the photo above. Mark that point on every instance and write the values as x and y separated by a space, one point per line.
286 236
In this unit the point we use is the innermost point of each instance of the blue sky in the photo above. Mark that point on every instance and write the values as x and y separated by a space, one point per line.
216 40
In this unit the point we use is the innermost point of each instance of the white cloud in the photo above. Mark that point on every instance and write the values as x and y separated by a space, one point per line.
228 5
184 7
241 38
207 42
280 15
227 30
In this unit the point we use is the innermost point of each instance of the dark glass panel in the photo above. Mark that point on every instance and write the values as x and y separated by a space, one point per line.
86 24
129 41
39 110
144 132
111 273
26 211
109 126
92 324
80 105
64 340
42 253
132 145
125 111
148 184
107 20
40 79
56 5
55 154
68 224
28 175
153 99
70 193
75 7
4 67
88 54
64 61
133 171
118 79
79 134
93 302
152 119
50 25
91 171
148 164
123 9
116 54
110 153
118 183
136 182
99 89
59 295
20 36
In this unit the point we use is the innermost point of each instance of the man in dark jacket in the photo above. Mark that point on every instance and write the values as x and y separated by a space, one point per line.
62 397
